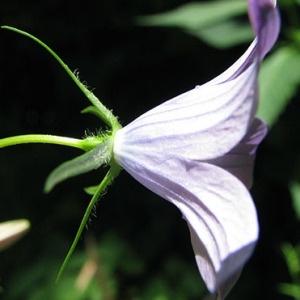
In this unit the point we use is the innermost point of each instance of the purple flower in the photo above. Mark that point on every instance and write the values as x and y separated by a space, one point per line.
197 151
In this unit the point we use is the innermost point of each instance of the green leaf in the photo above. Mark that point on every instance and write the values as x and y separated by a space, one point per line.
225 35
90 190
195 15
279 78
290 289
210 21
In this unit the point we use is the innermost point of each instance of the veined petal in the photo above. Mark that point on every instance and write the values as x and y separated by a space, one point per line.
249 58
240 160
203 123
185 149
211 119
217 206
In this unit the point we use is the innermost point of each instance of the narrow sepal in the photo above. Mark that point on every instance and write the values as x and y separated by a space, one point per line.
84 163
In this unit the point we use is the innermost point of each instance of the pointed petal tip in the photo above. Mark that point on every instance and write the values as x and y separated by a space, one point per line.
222 280
265 20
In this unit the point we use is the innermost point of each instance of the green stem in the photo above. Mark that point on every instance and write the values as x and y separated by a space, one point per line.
107 180
85 145
105 114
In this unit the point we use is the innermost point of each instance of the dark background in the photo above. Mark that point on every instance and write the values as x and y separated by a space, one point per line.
131 69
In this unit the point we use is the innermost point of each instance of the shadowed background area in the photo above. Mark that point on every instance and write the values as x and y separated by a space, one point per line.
143 246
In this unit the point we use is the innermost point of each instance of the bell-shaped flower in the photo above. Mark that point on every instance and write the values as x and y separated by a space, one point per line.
197 151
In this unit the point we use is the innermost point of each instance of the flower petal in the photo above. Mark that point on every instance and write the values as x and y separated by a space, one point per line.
211 119
240 160
185 149
224 288
203 123
217 206
266 23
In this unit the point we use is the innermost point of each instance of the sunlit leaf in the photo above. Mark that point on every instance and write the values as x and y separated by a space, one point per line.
279 78
196 15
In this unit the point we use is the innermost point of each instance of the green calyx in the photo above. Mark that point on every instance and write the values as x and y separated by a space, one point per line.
98 148
84 163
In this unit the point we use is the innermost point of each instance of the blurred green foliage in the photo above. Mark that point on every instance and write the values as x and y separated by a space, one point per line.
214 22
142 243
292 257
279 80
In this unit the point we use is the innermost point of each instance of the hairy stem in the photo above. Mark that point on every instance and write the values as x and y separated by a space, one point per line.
104 113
